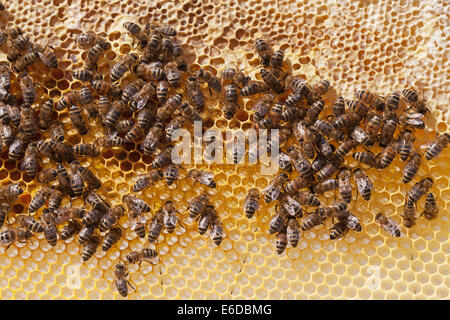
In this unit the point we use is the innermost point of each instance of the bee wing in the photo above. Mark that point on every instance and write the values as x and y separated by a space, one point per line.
290 205
170 219
415 116
140 219
206 177
273 190
427 145
141 101
283 159
363 183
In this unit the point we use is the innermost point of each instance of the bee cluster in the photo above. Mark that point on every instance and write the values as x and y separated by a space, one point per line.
150 93
323 133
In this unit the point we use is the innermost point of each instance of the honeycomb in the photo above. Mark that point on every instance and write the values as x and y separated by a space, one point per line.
355 44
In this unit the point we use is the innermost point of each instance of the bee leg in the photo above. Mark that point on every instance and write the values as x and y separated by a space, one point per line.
210 92
132 287
179 222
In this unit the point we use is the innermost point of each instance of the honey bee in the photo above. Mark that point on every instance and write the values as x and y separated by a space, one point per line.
323 146
67 100
292 206
66 214
172 73
141 255
15 149
284 162
171 174
409 214
63 180
112 140
320 89
50 230
163 29
326 185
338 230
162 159
22 42
412 120
431 208
293 232
123 65
29 223
251 203
153 138
254 87
45 114
120 274
90 247
262 106
11 235
301 164
366 157
87 39
281 240
94 55
92 217
138 223
136 32
92 181
140 99
345 121
113 114
83 75
198 205
71 229
229 109
6 135
111 218
231 93
435 147
85 150
166 111
406 141
13 53
330 168
363 183
270 79
5 75
360 136
338 107
95 201
55 199
102 87
130 89
46 175
312 220
135 204
170 216
124 126
388 154
370 99
147 179
62 152
313 112
412 167
14 114
162 90
273 190
278 220
27 122
111 238
388 225
212 80
151 51
25 61
373 125
388 128
291 114
86 233
306 198
48 56
194 93
204 177
263 50
393 101
181 63
40 198
345 188
419 189
29 161
156 226
414 100
237 77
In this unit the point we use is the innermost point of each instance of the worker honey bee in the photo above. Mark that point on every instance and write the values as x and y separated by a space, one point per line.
139 256
363 183
435 147
388 225
431 209
273 190
203 177
120 274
